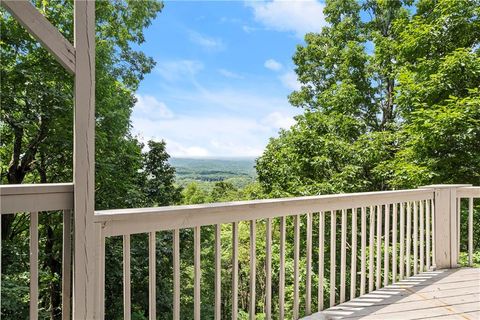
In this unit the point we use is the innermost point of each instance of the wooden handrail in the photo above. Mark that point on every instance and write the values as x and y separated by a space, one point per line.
36 197
139 220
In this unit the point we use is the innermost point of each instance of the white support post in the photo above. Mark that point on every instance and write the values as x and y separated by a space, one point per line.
446 225
85 282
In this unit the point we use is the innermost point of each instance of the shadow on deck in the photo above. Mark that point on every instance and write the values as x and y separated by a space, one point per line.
442 294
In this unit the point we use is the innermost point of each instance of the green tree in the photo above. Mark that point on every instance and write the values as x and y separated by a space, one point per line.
36 122
193 193
159 188
347 74
438 95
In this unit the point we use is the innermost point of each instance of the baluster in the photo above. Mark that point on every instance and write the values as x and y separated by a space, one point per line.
67 265
235 271
343 256
378 276
353 266
197 273
415 238
34 265
409 239
470 231
296 266
218 272
308 294
176 274
402 241
333 245
101 277
433 231
281 287
127 312
459 222
371 249
364 249
394 243
268 270
321 255
428 226
152 275
387 245
253 262
422 237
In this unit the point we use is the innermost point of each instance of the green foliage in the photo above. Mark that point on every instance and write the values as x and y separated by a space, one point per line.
159 186
36 128
390 102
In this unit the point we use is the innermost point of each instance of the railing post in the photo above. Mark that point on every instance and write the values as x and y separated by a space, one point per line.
87 234
446 225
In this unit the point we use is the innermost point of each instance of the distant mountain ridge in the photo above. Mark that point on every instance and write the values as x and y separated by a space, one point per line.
213 169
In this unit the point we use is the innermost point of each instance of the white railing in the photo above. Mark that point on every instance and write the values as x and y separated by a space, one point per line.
35 199
383 237
470 194
389 234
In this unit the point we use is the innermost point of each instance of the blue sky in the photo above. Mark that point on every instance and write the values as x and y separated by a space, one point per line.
224 71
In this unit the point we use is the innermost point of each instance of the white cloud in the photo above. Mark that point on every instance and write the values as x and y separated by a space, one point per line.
179 69
279 120
208 43
178 150
273 65
248 29
290 80
229 74
206 135
299 16
149 106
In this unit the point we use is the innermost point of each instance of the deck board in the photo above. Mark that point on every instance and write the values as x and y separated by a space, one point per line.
441 294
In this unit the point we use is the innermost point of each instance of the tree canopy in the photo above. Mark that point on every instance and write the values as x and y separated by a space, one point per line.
391 101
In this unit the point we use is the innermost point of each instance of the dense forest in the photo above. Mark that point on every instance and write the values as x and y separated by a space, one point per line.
390 101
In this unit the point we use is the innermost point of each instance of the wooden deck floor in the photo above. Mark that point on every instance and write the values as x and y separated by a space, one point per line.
442 294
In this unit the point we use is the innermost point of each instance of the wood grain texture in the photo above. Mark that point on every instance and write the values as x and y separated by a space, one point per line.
85 252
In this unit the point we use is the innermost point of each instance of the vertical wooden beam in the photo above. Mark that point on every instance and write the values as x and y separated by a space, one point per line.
470 231
218 272
197 273
394 243
378 252
353 265
152 275
333 262
34 265
176 274
296 267
321 255
281 277
67 265
127 296
235 271
343 256
402 241
386 265
85 280
428 225
253 268
409 240
445 227
364 251
268 270
371 249
415 237
308 289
